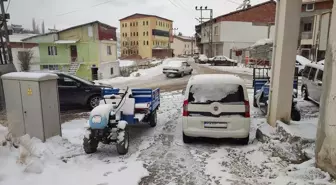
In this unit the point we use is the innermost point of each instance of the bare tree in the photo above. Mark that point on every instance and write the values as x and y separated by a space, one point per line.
129 47
25 58
43 28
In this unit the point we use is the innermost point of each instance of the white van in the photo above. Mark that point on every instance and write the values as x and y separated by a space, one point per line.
312 78
216 106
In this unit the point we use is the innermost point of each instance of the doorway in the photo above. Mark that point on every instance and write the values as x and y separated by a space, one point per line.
73 53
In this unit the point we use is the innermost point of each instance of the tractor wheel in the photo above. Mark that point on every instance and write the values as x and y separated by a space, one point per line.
153 119
90 145
123 142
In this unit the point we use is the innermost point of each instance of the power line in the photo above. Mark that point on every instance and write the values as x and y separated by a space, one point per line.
95 5
9 1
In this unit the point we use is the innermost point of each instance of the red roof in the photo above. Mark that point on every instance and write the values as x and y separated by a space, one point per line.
139 15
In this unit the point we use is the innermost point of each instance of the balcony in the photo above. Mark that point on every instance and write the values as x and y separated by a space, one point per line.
306 35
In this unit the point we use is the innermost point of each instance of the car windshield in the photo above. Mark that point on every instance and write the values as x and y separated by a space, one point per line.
208 93
174 64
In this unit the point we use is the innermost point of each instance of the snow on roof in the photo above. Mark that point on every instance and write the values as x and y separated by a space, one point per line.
262 42
29 76
66 41
19 37
127 63
216 79
317 66
302 60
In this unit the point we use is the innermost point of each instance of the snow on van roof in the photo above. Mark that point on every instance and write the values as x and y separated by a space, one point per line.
29 76
317 66
302 60
216 79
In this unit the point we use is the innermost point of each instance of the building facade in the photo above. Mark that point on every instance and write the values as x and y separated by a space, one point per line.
77 49
314 28
183 45
18 46
140 34
235 30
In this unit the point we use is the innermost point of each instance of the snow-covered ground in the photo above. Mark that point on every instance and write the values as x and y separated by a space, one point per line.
156 156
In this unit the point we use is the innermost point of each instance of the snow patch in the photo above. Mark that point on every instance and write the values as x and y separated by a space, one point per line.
126 63
209 92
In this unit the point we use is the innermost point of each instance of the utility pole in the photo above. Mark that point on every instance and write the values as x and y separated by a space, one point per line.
6 51
192 45
210 32
172 31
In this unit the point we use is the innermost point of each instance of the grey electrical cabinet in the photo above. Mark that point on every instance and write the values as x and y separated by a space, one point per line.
32 104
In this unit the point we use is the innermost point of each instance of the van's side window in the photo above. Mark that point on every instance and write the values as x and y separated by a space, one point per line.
306 71
319 75
312 74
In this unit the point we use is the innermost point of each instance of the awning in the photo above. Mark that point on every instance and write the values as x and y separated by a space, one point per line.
65 41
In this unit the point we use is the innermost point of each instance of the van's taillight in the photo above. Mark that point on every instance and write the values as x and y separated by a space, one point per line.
247 109
185 108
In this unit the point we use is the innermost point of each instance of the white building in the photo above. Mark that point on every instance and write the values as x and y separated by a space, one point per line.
236 30
183 45
18 46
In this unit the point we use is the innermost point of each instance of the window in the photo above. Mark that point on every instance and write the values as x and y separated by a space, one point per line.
312 73
307 27
125 24
136 23
137 43
147 23
147 42
143 23
125 34
109 51
185 45
147 33
137 34
319 76
131 24
156 23
203 94
216 30
144 42
123 52
111 71
305 71
310 7
52 50
144 33
122 25
65 81
131 34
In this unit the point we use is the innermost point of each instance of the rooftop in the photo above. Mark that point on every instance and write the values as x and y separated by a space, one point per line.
185 38
19 37
138 15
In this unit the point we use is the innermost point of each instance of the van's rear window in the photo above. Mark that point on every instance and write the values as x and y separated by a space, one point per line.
209 93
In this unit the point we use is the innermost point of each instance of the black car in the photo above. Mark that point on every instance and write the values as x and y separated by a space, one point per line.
75 91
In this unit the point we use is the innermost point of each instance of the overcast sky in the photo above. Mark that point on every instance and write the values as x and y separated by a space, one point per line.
66 13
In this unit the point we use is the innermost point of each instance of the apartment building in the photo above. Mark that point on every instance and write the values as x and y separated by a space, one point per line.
184 45
145 35
314 28
238 29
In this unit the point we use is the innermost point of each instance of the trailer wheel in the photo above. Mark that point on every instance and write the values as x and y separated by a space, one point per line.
123 142
90 145
153 119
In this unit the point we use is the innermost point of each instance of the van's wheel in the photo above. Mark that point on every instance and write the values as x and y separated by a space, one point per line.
295 114
123 142
191 72
153 119
187 139
255 103
94 101
90 145
244 141
304 92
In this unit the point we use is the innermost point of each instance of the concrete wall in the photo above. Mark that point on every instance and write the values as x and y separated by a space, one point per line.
326 130
105 71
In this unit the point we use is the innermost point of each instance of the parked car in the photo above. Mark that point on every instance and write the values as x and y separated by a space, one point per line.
312 77
75 91
202 59
177 68
301 62
222 60
216 106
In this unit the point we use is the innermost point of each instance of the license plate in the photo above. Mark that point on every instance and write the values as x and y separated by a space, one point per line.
215 124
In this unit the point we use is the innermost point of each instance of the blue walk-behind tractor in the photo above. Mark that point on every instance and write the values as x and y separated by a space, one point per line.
261 87
119 108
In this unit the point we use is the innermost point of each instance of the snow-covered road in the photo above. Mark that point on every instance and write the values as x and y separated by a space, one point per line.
156 156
